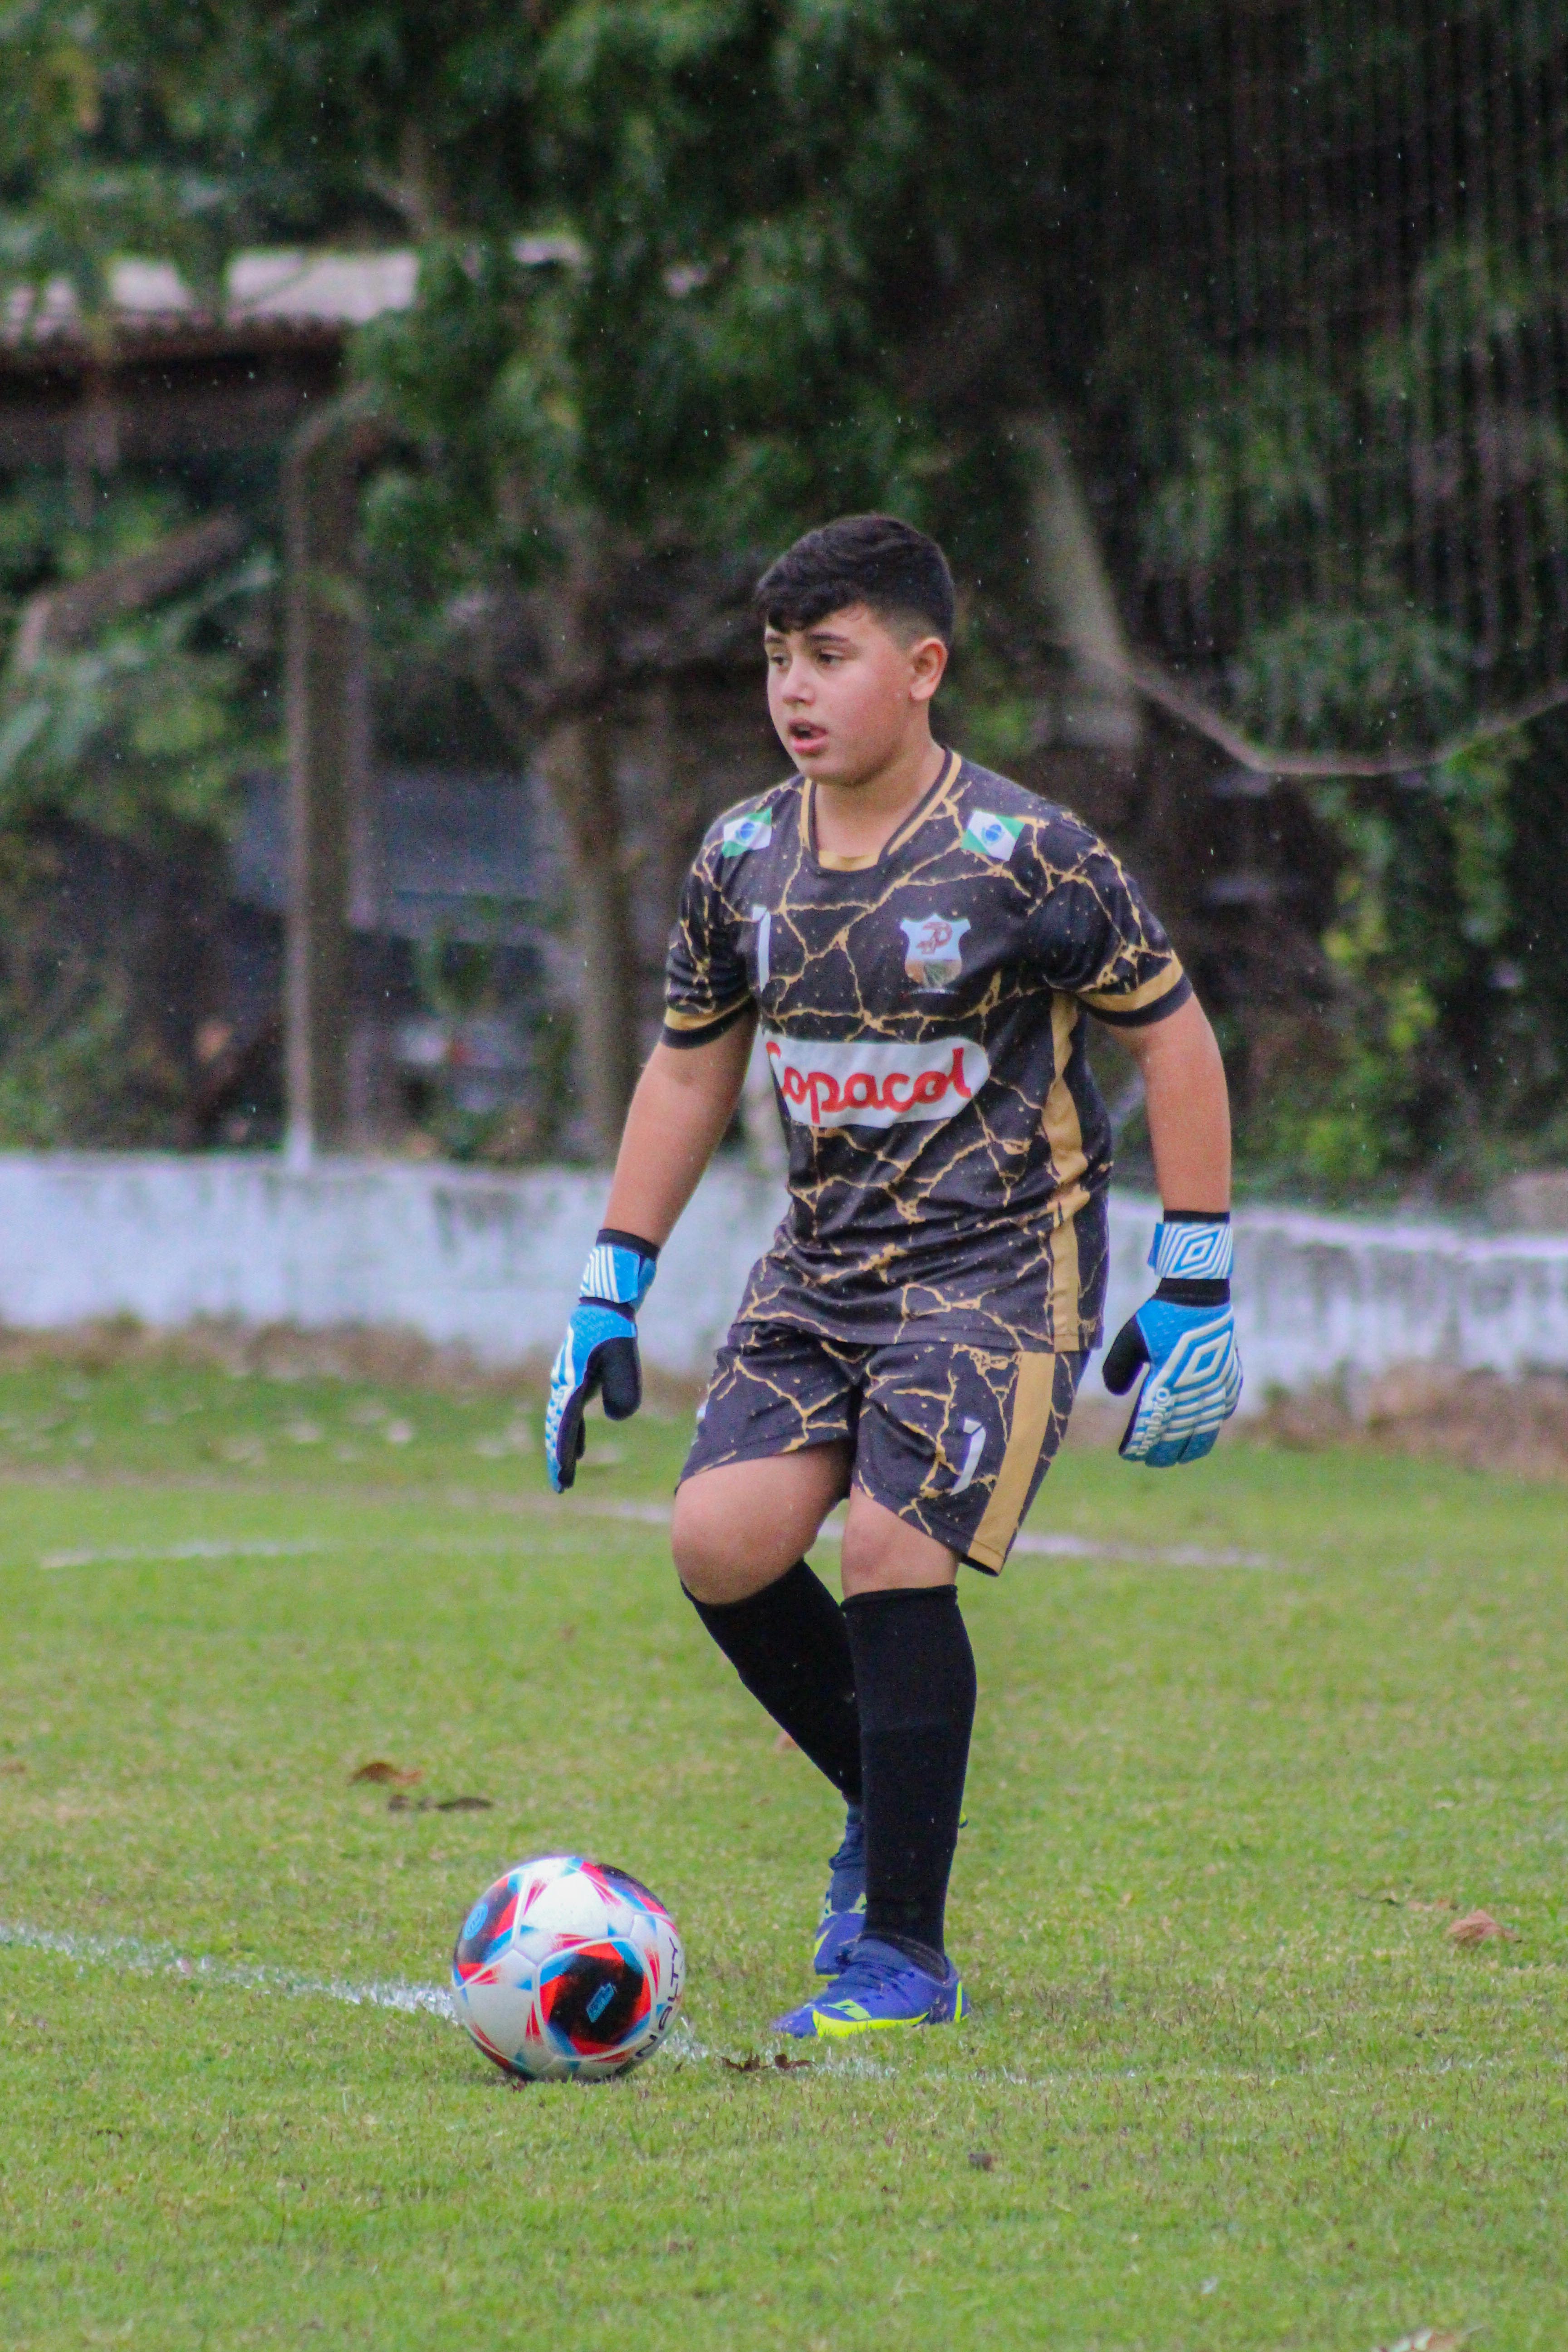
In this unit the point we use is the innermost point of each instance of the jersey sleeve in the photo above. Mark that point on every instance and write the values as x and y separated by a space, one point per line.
1097 939
706 986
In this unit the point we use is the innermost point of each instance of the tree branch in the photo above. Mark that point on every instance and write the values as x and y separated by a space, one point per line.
1166 693
58 618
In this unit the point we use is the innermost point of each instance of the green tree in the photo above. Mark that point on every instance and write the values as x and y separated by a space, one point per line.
810 259
693 277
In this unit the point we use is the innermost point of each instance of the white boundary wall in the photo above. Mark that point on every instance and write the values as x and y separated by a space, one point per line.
493 1260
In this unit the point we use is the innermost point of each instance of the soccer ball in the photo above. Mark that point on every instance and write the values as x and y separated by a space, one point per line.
567 1968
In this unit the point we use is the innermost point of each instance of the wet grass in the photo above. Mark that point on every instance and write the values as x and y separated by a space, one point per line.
1228 2085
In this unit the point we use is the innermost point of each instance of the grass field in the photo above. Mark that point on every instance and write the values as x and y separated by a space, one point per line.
1228 2085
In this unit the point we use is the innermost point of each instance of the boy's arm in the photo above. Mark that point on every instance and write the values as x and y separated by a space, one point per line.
1184 1334
685 1100
1188 1108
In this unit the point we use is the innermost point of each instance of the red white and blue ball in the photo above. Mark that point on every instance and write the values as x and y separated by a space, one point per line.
567 1968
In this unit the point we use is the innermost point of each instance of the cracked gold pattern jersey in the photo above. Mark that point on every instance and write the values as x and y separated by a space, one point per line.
924 1019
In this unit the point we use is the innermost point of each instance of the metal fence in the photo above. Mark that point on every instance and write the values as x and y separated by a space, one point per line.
1362 275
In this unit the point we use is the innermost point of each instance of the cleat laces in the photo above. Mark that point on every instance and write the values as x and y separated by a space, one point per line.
872 1971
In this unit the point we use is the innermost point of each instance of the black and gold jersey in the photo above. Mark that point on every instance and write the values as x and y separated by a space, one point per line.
924 1019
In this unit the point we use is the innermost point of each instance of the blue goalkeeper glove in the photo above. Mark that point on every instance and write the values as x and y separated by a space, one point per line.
599 1351
1186 1335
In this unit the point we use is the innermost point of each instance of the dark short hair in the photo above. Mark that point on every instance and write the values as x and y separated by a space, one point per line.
870 559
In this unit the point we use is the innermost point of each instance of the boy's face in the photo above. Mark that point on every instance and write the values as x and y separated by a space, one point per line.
847 695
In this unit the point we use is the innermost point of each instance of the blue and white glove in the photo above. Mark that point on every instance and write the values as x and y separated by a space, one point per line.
600 1350
1186 1335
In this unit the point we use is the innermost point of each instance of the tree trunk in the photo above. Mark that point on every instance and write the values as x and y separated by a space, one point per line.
570 698
580 773
324 666
674 797
1100 711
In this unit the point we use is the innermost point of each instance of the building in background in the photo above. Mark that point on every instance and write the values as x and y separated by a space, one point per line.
455 915
384 956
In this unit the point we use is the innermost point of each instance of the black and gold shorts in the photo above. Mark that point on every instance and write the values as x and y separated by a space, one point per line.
955 1438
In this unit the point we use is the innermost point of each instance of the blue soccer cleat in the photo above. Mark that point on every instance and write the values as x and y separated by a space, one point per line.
844 1904
879 1987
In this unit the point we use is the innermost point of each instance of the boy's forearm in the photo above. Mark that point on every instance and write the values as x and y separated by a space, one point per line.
1188 1108
684 1101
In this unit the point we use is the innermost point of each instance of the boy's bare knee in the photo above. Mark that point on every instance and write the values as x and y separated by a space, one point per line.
715 1560
742 1526
699 1558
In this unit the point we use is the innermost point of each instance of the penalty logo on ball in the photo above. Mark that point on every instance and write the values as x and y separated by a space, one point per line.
566 1968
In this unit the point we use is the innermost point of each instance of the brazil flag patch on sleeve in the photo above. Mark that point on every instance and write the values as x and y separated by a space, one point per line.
750 832
993 837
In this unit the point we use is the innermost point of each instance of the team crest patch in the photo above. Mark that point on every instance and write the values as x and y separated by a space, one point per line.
993 837
743 833
933 951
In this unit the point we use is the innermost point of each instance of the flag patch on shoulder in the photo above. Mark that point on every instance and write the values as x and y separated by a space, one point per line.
751 831
993 837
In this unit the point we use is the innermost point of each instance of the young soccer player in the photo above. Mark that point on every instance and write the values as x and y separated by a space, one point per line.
920 941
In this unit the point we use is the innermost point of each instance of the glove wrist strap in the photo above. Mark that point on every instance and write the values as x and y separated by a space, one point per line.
616 1240
619 1272
1192 1249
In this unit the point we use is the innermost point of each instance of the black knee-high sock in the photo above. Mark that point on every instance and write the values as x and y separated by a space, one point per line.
914 1677
789 1647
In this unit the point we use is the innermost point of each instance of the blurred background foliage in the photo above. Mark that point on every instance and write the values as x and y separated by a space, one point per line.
691 277
146 728
135 743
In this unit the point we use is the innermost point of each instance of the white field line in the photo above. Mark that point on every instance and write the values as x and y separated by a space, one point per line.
163 1960
1036 1547
218 1548
642 1515
199 1548
1061 1547
129 1953
1049 1546
1055 1545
